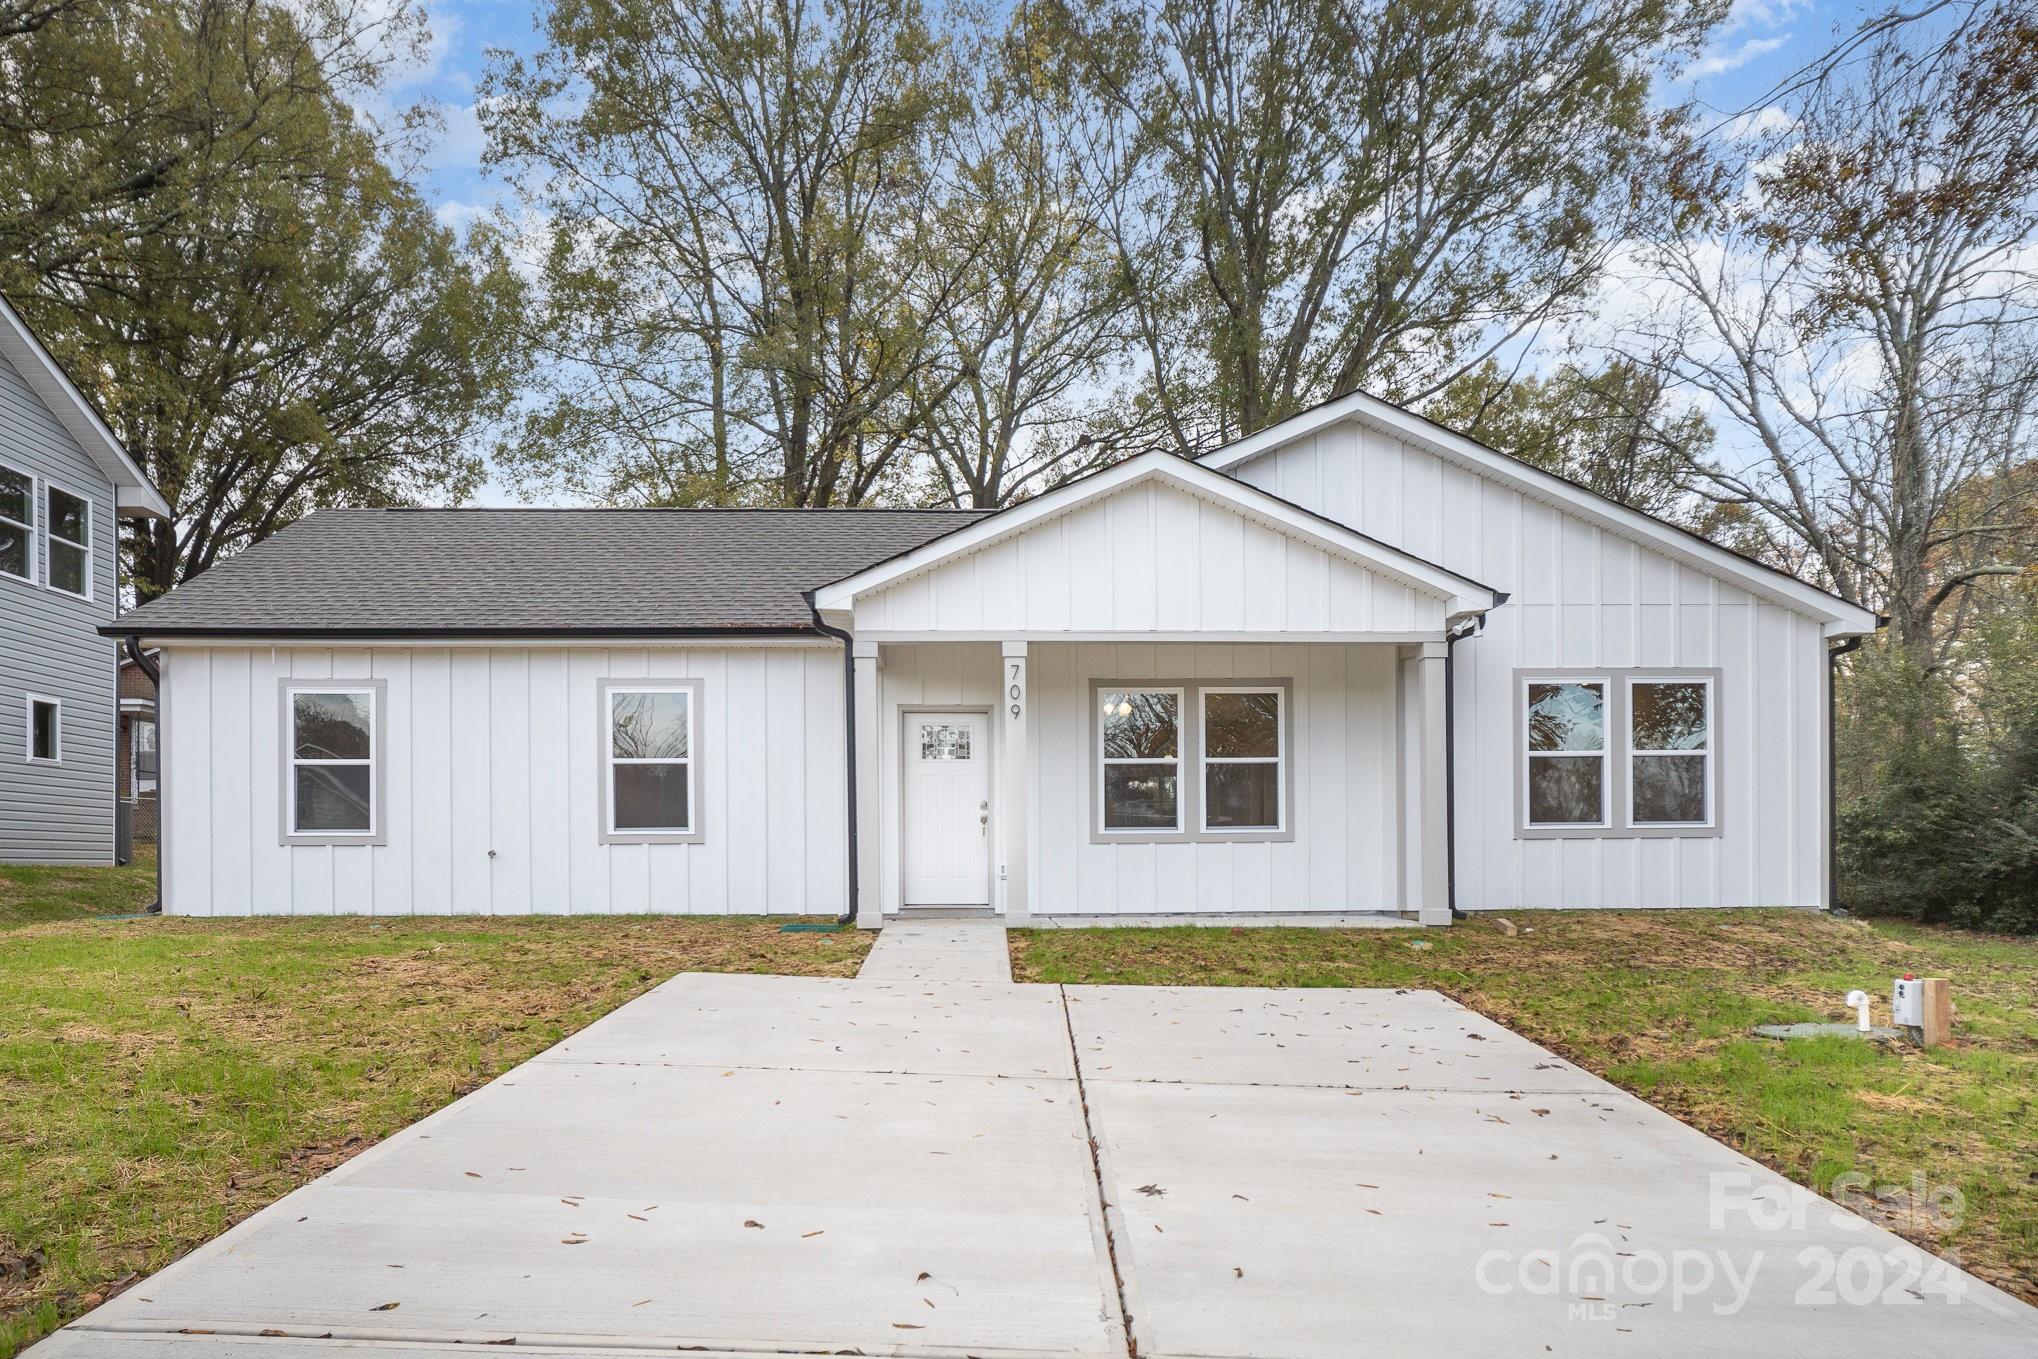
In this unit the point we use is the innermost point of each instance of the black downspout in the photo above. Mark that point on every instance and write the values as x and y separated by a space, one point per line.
848 917
1451 640
1833 655
133 646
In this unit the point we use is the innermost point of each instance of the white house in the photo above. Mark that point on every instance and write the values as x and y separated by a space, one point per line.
1354 663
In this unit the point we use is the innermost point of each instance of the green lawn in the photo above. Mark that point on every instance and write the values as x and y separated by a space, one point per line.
162 1079
1661 1003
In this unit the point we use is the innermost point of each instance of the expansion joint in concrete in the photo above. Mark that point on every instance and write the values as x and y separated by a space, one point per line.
1104 1208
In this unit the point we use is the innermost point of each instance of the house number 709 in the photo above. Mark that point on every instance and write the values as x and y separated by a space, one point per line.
1017 691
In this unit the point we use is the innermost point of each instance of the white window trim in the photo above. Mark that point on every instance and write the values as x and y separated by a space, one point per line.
378 692
1709 750
1279 759
134 762
1526 757
33 540
51 536
1134 834
56 729
605 734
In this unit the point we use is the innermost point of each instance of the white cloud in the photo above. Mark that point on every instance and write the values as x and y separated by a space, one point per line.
1766 121
1719 62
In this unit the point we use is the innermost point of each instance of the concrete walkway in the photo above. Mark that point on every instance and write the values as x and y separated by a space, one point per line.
928 1169
939 950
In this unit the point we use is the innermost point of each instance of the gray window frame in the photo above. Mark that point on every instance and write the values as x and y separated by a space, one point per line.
378 761
50 540
1190 765
56 729
605 762
32 528
1619 823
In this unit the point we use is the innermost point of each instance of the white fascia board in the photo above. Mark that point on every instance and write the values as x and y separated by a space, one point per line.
134 496
1461 593
1841 619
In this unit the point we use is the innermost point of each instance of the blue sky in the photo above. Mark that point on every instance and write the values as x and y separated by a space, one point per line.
1762 42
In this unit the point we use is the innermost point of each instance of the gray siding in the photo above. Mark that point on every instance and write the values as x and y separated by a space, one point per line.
56 813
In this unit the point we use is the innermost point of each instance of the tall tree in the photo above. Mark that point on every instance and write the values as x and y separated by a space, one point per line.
743 200
1311 195
1620 430
201 228
1859 297
1035 336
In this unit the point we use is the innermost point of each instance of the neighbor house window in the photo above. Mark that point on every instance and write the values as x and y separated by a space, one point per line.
1670 751
17 524
330 784
45 730
1140 759
144 756
68 529
652 755
1565 770
1242 745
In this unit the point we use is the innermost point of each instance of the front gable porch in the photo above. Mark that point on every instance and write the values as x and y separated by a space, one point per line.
1295 668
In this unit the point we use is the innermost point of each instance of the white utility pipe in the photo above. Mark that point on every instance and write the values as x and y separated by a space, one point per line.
1859 1000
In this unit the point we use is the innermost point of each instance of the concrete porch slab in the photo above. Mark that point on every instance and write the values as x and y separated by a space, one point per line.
1223 920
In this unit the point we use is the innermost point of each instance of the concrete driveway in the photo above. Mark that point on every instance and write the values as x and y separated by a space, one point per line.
763 1165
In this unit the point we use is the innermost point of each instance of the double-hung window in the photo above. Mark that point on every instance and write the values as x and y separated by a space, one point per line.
67 528
1140 759
1564 769
1618 753
650 762
1242 744
17 524
1189 761
1670 751
332 750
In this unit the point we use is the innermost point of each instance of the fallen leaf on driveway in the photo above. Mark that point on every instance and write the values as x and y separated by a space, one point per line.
907 1326
386 1307
805 1235
1152 1191
753 1222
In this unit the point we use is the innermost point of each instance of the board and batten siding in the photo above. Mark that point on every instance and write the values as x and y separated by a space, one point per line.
1148 558
1345 852
50 645
1582 596
493 808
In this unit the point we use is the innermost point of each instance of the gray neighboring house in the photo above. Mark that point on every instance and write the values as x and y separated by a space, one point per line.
64 481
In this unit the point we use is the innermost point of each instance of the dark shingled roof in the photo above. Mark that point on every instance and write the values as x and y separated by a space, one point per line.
400 572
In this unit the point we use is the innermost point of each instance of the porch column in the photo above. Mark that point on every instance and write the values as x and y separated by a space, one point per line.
1015 839
869 909
1425 813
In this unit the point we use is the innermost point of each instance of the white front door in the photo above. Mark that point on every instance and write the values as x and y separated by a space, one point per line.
948 809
